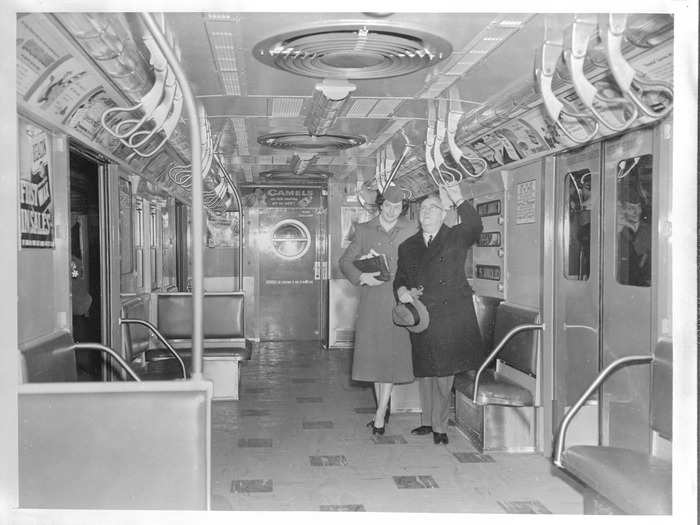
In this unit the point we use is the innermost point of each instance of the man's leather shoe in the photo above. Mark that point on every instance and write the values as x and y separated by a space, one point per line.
440 437
422 430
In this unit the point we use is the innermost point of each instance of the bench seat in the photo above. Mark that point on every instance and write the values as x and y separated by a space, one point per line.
636 482
501 418
494 389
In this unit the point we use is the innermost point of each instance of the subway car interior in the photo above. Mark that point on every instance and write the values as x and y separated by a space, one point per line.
180 335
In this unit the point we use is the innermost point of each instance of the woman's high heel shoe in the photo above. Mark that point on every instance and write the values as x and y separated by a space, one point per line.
376 430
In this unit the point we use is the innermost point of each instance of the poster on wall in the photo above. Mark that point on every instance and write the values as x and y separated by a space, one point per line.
280 197
222 229
36 221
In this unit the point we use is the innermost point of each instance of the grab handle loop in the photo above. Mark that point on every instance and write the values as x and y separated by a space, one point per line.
545 65
576 39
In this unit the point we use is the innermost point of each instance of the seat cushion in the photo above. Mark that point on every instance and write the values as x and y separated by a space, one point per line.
494 389
635 482
160 370
243 352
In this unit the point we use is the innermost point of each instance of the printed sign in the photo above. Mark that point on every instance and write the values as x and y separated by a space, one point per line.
526 201
281 197
36 221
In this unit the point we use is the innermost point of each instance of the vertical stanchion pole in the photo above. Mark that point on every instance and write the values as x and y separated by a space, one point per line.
197 211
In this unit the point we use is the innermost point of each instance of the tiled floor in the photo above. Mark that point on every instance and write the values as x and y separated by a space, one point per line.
297 440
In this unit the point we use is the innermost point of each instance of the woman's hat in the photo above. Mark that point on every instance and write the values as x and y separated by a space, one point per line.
393 194
412 316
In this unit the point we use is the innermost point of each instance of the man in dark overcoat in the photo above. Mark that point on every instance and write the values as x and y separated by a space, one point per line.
433 261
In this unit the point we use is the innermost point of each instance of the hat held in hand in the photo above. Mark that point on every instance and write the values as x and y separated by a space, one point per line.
412 316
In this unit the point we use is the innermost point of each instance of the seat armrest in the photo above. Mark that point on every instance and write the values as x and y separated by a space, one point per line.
499 347
599 380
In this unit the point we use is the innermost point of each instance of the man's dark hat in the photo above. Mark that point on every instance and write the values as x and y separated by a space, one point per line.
412 316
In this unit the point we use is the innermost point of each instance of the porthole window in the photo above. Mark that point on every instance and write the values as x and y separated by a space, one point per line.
291 239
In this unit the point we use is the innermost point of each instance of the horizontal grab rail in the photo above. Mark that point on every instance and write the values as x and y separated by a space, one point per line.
602 376
160 337
107 350
499 347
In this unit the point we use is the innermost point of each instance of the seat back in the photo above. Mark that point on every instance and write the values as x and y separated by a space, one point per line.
120 445
223 315
48 359
520 351
136 337
662 389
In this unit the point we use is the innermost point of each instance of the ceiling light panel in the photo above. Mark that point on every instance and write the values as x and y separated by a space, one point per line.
220 16
514 20
361 107
286 107
384 108
461 67
231 82
241 132
224 42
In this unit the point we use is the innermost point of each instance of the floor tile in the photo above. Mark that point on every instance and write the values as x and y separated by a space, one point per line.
343 508
415 482
389 440
472 457
254 412
328 461
311 399
255 442
251 485
524 507
316 425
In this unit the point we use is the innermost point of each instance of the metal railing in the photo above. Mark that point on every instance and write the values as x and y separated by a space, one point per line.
499 347
602 376
109 351
160 337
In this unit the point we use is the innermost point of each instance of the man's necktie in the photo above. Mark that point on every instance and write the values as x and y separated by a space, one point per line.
430 239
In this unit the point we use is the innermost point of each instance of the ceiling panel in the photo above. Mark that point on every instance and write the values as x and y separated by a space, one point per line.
217 53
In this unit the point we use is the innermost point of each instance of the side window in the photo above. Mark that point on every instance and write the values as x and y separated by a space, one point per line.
577 225
126 228
633 221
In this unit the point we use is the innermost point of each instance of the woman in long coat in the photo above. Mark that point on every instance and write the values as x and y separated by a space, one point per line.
382 352
433 260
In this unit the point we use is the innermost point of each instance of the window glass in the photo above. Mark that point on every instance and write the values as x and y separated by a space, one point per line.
633 221
291 239
577 225
126 228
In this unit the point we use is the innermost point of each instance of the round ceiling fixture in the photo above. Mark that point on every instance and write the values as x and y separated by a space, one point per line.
353 50
312 143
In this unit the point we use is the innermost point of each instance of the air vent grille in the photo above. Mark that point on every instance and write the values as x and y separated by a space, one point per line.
353 50
287 174
311 143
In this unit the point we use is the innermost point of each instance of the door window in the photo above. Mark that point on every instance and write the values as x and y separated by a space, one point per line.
633 221
577 225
